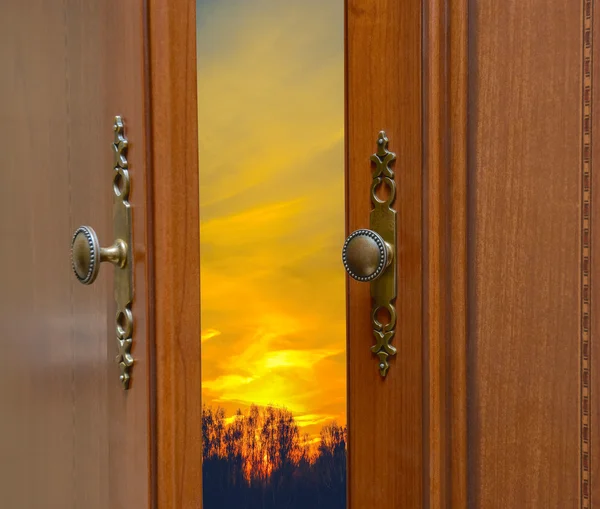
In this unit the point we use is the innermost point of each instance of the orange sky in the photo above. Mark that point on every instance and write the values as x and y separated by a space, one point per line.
271 118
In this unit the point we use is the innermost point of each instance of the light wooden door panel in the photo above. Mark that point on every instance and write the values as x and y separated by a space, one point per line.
37 355
70 437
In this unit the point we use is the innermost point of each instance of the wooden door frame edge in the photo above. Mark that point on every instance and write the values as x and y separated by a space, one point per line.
445 157
174 253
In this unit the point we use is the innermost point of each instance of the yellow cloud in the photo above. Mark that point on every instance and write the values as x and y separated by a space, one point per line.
294 358
313 419
209 334
226 382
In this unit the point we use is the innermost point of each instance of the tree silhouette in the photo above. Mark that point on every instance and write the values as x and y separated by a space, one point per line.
259 460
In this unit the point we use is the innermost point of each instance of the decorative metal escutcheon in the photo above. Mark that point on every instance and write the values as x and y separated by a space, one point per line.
87 255
370 255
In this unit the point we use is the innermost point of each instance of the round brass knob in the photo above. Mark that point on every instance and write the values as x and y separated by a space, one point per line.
366 255
87 255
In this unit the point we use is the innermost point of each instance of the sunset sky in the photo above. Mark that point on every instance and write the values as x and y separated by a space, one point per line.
271 132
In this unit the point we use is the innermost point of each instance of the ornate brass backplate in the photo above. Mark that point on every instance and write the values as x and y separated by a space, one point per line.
371 255
383 220
87 255
123 275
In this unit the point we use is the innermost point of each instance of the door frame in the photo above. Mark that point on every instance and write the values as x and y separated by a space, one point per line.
174 255
174 247
446 202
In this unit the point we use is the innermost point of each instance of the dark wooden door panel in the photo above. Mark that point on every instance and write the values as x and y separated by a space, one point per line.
528 79
527 176
509 166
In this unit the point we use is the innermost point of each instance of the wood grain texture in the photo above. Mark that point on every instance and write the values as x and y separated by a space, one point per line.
176 251
385 416
35 292
593 291
436 284
89 160
458 258
445 252
125 93
525 183
70 435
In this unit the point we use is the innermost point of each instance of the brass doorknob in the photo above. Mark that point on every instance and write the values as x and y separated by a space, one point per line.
87 255
366 255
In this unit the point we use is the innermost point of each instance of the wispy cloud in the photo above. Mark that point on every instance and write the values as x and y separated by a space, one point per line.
209 334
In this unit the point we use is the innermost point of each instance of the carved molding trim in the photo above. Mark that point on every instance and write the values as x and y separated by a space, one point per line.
586 245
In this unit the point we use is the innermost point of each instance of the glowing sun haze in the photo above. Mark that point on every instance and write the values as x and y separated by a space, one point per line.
271 132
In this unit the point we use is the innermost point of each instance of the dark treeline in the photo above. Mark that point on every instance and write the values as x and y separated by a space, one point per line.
259 460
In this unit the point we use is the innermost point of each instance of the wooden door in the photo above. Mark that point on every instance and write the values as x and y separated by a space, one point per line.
70 436
511 380
532 377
